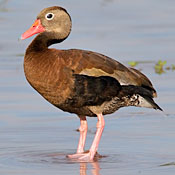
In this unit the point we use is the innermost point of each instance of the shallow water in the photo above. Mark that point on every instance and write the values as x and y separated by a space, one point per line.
35 137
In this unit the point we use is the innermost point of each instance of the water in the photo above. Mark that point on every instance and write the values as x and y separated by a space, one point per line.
35 137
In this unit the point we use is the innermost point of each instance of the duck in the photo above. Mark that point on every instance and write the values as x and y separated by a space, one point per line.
82 82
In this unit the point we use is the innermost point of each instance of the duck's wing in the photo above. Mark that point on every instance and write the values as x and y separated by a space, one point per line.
94 64
92 91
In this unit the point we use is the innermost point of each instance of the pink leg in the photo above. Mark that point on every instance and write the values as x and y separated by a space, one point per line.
89 156
83 132
96 141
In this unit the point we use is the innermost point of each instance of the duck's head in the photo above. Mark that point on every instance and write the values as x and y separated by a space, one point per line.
52 22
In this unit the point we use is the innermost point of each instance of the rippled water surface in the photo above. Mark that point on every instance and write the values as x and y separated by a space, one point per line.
35 137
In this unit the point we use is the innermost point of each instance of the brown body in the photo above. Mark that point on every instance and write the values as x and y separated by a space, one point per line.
51 72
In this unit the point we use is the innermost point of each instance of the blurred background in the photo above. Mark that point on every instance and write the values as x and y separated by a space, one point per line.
35 136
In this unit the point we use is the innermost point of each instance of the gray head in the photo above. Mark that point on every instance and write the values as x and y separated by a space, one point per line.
53 24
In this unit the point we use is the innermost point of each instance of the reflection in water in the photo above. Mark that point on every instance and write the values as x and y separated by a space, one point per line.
56 159
95 168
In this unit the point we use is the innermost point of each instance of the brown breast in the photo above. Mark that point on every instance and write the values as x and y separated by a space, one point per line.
47 73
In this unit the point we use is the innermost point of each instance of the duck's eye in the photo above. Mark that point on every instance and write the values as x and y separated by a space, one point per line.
49 16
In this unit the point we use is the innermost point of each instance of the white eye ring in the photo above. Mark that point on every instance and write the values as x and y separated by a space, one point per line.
49 16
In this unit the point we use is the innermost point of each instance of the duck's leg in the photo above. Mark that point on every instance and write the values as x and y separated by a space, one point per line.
83 132
89 156
93 150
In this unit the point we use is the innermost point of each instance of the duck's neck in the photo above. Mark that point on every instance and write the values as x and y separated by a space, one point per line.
43 41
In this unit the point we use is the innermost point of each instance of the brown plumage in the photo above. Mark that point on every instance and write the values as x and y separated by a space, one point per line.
78 81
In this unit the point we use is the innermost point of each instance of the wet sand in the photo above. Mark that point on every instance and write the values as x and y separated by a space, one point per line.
35 137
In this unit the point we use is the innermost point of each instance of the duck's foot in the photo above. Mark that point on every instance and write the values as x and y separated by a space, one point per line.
86 156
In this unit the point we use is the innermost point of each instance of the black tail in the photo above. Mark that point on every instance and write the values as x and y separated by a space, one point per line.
138 96
152 102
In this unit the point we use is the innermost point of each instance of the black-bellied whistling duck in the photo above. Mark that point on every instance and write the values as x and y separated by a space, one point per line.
78 81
